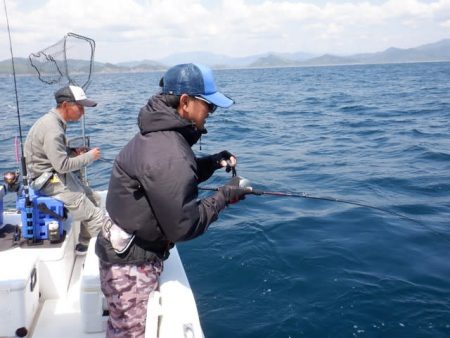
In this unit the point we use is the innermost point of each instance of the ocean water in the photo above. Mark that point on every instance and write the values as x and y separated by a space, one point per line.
293 267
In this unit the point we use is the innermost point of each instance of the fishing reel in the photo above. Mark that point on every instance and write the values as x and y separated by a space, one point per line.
78 145
240 182
75 147
11 179
236 180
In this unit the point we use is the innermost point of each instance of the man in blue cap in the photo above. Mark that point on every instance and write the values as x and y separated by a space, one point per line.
152 199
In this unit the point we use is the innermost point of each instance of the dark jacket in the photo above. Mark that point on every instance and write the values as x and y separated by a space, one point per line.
153 187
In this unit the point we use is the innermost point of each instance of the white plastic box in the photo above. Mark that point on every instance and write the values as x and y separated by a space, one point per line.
19 291
92 301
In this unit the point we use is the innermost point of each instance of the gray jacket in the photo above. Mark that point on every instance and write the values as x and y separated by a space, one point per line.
45 148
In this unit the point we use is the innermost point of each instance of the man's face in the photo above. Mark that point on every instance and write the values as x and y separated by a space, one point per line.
199 110
73 111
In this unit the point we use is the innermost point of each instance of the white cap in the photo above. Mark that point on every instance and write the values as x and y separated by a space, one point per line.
74 94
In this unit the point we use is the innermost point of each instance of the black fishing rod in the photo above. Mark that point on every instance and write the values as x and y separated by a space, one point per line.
304 195
28 203
14 76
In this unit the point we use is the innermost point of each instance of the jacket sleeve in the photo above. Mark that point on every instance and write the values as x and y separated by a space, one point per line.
55 148
205 168
172 192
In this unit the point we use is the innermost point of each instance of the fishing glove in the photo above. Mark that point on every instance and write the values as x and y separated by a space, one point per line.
233 193
224 155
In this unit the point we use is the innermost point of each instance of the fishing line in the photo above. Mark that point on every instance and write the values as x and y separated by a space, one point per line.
332 199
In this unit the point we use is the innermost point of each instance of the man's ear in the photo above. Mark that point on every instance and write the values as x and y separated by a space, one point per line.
184 99
63 106
183 105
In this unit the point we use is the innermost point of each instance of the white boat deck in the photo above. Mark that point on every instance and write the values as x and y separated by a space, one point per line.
62 317
63 299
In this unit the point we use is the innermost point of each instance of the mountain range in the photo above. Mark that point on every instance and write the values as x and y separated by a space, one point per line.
433 52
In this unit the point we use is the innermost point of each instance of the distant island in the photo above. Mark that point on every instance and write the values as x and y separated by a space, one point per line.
433 52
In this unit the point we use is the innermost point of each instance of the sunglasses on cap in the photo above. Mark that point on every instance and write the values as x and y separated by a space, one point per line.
211 106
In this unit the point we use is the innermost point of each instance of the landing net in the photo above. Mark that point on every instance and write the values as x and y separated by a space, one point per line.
69 61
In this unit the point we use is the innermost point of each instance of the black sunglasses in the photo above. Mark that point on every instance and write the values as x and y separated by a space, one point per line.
211 106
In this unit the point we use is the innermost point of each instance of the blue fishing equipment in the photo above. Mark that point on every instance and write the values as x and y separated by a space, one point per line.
43 219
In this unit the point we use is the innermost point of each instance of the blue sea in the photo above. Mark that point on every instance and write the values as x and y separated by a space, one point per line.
296 267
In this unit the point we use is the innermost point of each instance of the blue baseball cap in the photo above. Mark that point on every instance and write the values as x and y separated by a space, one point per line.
194 80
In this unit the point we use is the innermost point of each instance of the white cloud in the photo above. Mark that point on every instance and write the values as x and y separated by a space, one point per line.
137 29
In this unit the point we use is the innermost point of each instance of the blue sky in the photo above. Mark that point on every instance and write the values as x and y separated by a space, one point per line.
151 29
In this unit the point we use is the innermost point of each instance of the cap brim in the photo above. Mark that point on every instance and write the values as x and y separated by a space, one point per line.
218 99
87 103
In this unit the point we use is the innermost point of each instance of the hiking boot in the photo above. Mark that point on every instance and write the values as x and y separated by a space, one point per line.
80 249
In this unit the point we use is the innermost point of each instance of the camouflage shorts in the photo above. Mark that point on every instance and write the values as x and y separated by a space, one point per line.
127 289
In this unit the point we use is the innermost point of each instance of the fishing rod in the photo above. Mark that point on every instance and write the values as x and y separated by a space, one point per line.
305 195
14 76
28 203
244 183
